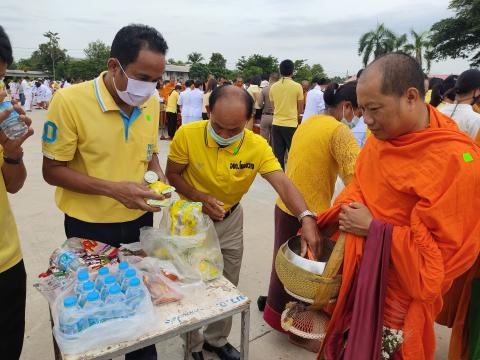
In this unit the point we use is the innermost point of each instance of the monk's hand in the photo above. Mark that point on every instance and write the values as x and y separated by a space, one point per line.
355 218
311 238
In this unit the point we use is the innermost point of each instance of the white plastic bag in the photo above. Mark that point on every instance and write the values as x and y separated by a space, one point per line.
198 253
109 332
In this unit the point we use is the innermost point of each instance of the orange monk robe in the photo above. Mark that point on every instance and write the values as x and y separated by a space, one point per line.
426 184
165 91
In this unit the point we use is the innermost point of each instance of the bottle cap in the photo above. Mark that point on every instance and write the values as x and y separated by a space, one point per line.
88 286
150 177
123 265
93 296
115 289
69 301
82 276
110 279
103 271
134 282
130 273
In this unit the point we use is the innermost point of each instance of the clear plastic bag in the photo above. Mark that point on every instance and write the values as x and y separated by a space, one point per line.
197 253
117 322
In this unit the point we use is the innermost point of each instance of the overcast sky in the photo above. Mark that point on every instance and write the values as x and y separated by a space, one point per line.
324 32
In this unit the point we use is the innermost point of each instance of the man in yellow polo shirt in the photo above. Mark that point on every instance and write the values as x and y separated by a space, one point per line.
13 279
99 139
215 162
286 97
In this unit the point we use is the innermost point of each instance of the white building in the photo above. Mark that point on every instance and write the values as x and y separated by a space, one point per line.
179 72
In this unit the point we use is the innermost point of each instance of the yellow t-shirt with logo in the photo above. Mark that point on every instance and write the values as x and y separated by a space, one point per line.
10 251
86 128
285 94
172 102
225 173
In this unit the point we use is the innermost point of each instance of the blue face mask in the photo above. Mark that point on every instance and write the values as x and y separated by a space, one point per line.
220 140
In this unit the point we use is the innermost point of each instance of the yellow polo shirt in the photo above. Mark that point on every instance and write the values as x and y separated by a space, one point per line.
87 129
225 173
172 102
10 252
285 94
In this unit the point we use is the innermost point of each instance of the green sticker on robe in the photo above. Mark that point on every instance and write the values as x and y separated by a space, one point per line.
149 117
467 157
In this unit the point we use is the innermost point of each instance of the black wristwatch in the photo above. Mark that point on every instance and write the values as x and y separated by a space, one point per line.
13 161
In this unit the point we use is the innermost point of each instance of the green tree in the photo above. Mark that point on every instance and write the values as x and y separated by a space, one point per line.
199 71
418 47
458 36
172 61
49 54
195 57
97 54
302 70
318 71
218 65
400 42
376 42
257 65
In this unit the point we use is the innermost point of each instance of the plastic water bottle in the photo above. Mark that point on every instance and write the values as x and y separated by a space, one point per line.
134 293
129 275
66 260
110 280
122 268
101 275
12 126
92 308
82 278
69 321
115 302
87 288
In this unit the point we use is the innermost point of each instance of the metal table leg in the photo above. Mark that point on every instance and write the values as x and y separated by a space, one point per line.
245 337
188 345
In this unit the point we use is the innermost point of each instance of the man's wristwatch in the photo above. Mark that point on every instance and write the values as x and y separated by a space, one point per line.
11 161
306 213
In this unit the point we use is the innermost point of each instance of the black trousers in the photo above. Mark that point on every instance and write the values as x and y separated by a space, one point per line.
13 283
282 140
114 234
171 124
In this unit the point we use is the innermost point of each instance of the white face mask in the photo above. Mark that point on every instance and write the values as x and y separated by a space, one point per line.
350 124
137 91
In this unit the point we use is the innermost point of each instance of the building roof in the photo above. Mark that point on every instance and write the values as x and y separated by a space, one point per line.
31 73
177 68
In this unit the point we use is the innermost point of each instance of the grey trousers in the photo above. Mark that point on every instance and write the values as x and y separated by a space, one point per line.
266 127
230 236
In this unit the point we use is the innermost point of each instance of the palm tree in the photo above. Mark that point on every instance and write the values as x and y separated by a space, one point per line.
419 46
195 57
400 42
377 42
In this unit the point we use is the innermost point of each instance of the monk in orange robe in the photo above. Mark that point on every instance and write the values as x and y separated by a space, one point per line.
421 174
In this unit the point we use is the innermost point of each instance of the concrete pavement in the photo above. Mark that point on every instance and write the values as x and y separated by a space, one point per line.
40 225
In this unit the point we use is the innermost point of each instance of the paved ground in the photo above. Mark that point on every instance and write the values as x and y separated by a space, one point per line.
41 230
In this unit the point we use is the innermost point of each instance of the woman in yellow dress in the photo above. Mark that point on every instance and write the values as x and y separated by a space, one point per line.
322 148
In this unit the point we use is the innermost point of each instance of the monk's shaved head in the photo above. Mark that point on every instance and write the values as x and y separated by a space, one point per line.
398 72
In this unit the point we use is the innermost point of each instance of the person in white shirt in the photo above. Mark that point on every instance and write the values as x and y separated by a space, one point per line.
181 98
194 99
315 105
468 94
28 91
13 87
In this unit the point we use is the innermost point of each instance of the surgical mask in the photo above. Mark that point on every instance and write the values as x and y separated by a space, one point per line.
137 91
350 124
220 140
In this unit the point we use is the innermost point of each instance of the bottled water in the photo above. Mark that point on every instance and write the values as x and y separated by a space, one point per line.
110 280
129 275
82 278
101 275
12 126
87 288
93 309
69 320
134 293
115 302
66 260
122 268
